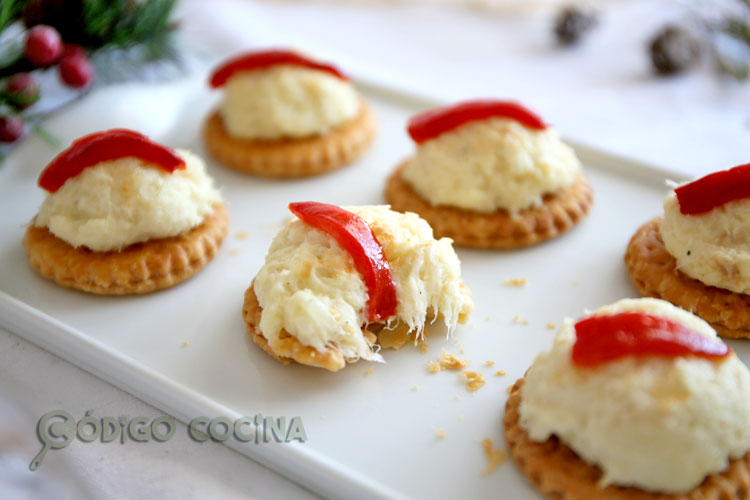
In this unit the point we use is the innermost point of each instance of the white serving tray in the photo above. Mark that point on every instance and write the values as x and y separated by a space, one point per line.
368 436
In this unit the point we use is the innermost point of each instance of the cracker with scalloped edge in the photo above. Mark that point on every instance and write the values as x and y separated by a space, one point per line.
558 213
559 474
290 157
136 269
654 273
289 348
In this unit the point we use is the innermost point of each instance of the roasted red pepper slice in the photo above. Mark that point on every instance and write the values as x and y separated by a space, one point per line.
103 146
714 190
600 339
432 123
264 59
356 237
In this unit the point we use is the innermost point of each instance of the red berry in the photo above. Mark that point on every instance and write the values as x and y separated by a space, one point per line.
11 128
71 49
43 45
76 71
22 90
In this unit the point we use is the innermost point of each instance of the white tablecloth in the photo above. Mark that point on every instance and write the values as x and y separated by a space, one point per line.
601 93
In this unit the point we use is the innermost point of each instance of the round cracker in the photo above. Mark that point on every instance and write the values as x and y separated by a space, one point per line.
558 473
288 348
654 272
558 213
290 158
139 268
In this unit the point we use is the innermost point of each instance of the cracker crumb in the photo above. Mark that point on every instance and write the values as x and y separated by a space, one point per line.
369 371
461 351
423 346
241 235
487 318
576 282
518 282
495 456
501 373
489 363
474 380
519 320
185 344
234 251
461 417
433 366
323 417
440 433
458 398
415 387
449 361
550 326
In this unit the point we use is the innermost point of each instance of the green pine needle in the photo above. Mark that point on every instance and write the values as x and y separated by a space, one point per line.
10 11
125 23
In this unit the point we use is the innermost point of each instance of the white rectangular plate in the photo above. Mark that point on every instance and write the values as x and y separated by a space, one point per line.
368 436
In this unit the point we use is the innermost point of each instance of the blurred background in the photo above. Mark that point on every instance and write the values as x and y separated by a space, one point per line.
663 81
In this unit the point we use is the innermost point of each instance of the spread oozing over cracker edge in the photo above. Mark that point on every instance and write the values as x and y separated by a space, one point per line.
324 304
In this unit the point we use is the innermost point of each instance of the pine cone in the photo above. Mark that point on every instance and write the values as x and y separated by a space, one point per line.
673 50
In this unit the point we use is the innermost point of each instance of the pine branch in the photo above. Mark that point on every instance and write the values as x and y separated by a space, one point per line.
10 12
737 28
124 23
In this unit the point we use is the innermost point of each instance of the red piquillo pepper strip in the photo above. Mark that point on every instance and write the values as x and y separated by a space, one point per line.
600 339
265 59
430 124
356 237
714 190
103 146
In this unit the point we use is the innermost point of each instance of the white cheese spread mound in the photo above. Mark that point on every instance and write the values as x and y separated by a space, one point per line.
286 101
713 247
120 202
660 424
492 164
310 287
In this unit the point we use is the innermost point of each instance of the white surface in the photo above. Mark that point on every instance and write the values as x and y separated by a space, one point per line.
376 434
601 93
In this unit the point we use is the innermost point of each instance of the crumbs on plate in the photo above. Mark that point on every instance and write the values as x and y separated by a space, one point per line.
440 433
474 380
519 320
495 456
518 282
449 361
